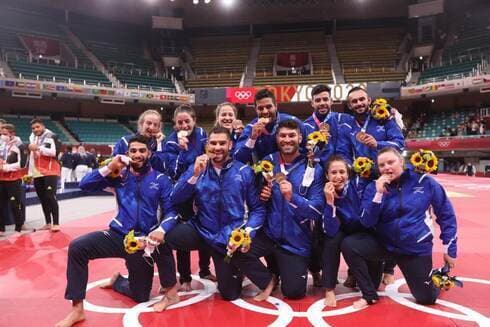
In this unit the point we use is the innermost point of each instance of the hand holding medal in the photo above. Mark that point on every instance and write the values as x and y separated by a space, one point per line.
182 139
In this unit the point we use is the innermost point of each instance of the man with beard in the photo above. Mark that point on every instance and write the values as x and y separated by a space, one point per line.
365 136
294 198
140 191
226 198
259 137
45 168
149 126
324 118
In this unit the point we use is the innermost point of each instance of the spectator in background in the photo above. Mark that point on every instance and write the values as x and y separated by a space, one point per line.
470 170
482 127
474 127
45 169
93 157
82 162
67 161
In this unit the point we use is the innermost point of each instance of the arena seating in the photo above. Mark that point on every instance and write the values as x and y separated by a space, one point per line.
219 60
312 42
369 54
121 48
96 131
448 71
436 123
14 22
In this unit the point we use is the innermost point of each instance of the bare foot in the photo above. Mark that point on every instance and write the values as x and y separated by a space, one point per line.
262 296
330 300
210 277
72 318
359 304
170 298
186 287
55 228
165 303
111 282
45 227
388 279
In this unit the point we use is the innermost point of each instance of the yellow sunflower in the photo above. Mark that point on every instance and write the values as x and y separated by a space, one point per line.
363 166
380 101
266 166
431 165
317 136
131 243
237 237
416 159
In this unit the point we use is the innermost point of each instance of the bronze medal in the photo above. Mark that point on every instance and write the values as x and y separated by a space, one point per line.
360 136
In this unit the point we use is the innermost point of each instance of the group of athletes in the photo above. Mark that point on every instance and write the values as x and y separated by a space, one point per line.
299 206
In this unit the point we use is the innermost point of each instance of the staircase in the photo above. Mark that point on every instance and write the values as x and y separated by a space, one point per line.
251 64
337 74
97 63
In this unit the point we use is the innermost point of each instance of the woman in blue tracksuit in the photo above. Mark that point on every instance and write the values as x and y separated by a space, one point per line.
226 116
183 146
340 218
396 205
226 198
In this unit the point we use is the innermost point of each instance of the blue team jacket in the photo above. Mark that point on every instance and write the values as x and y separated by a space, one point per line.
336 121
288 223
265 143
224 202
177 160
402 221
345 213
387 134
138 199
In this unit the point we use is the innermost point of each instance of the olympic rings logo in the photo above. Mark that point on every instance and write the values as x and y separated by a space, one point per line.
444 144
285 314
243 95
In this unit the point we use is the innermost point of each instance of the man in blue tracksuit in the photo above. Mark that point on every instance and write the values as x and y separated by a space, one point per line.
259 137
397 205
149 126
226 198
139 190
294 200
323 115
365 136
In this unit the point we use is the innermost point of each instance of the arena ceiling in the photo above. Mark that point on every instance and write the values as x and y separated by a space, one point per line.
242 12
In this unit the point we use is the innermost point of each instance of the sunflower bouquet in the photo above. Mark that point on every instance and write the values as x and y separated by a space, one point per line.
316 141
133 244
363 166
265 168
239 237
380 109
424 161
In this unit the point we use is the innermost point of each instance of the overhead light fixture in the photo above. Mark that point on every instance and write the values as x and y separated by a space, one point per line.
228 3
196 2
